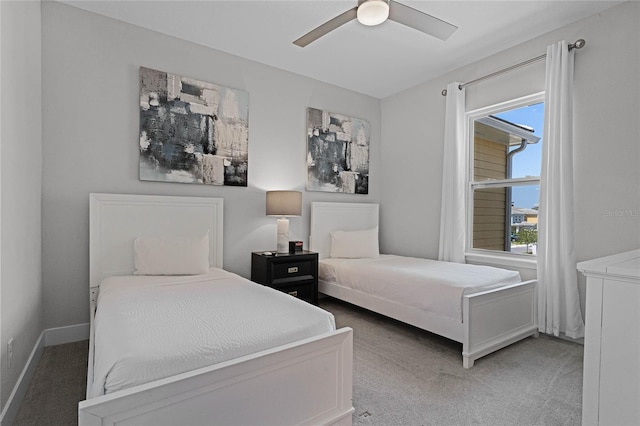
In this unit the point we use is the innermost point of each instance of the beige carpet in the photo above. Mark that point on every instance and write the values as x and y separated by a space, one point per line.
402 376
406 376
59 383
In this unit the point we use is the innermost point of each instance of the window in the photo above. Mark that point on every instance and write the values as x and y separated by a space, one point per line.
504 186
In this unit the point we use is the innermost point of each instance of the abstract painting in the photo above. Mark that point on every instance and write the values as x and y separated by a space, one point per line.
192 131
337 152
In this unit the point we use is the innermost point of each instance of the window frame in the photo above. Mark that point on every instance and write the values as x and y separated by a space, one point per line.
483 255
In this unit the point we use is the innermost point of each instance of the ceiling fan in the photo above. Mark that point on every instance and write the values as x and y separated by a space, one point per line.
375 12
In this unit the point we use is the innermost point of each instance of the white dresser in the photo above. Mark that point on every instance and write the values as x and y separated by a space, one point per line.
611 383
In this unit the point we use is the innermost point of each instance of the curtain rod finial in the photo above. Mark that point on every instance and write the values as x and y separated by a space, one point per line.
444 92
579 44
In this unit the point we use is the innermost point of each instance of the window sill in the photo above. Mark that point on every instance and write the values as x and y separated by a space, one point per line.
513 261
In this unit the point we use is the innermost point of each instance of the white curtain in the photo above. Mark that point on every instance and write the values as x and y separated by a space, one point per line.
454 178
558 297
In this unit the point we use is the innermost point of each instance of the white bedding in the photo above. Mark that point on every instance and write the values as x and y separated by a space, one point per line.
151 327
426 284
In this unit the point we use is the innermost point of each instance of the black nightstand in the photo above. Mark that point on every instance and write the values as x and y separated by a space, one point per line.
292 273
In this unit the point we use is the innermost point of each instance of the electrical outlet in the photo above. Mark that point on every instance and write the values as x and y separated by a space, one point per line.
10 353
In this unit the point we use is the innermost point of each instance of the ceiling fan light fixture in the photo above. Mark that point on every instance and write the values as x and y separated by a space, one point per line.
373 12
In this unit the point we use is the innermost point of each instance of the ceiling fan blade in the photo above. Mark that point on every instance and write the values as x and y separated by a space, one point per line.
327 27
420 21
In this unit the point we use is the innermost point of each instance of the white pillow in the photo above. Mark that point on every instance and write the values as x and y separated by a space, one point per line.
355 244
171 256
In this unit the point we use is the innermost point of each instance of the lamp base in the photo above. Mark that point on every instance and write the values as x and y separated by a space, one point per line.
283 235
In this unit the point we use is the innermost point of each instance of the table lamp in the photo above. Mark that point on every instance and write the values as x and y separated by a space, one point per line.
284 204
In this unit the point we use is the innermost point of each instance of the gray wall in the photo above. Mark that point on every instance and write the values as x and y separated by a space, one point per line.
90 141
606 153
20 179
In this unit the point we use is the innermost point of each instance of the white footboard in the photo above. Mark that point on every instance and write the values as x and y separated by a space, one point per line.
496 318
306 382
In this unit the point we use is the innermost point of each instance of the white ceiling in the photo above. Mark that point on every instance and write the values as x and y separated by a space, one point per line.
377 61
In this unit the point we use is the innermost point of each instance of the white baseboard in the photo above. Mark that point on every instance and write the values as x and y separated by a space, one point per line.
579 341
69 334
49 337
20 389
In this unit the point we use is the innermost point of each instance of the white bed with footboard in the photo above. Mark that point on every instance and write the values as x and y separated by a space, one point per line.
482 307
175 339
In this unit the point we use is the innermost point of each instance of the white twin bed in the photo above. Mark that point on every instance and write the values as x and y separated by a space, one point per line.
203 346
482 307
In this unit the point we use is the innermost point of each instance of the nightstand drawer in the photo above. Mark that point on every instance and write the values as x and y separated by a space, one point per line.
299 269
301 291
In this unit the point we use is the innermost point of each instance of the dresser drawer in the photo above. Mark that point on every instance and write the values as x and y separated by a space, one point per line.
292 270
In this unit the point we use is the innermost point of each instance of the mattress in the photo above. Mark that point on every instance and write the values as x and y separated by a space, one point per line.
151 327
431 285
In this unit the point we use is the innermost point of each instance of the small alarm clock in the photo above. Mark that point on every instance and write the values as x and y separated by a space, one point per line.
295 246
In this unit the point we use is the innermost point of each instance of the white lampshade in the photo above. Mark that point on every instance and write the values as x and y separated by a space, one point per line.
373 12
284 203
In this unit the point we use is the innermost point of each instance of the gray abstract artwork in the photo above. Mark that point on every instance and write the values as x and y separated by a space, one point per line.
192 131
337 152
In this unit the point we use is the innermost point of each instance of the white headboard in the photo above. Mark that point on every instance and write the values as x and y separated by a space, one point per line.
330 217
117 219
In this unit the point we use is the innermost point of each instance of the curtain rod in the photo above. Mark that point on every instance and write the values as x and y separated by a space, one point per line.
579 44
